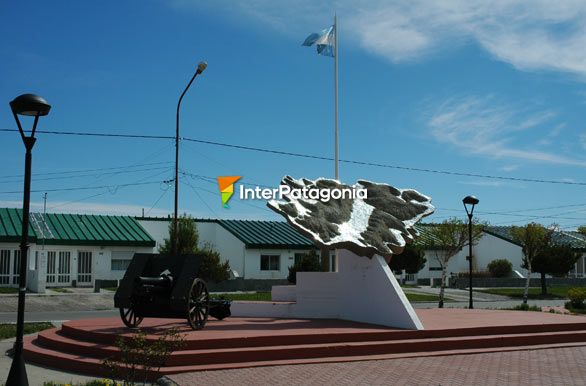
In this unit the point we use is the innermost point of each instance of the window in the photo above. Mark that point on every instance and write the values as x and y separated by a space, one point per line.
5 266
120 264
121 260
16 267
270 262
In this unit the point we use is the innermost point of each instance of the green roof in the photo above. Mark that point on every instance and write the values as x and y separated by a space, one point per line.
74 229
572 239
266 234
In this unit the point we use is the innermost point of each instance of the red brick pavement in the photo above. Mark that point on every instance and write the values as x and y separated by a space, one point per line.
558 366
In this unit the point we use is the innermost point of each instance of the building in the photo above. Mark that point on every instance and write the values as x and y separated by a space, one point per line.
69 249
74 249
255 249
496 243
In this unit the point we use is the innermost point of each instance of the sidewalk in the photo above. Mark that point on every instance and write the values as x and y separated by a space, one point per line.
80 299
37 375
560 366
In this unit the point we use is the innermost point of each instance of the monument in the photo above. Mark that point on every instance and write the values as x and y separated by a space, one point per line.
367 223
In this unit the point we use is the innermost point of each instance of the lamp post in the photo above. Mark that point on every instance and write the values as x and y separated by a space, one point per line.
200 68
34 106
472 201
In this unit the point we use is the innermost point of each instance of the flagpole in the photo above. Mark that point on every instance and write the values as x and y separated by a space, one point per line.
337 132
337 129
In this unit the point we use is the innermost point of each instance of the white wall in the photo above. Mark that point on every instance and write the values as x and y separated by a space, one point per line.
225 243
287 259
487 249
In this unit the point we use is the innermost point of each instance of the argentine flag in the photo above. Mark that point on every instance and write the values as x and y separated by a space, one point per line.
324 41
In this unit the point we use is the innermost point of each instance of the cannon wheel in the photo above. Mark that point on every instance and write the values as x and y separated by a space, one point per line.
198 305
129 317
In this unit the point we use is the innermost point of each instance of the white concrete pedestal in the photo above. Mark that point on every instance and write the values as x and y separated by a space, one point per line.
363 290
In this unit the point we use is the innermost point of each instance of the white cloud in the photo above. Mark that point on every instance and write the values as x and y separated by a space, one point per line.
530 35
488 128
510 168
494 184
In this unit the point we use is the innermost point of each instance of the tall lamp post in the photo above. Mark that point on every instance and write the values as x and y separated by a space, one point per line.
34 106
200 68
470 201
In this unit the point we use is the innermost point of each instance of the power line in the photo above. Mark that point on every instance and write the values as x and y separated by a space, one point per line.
317 157
115 187
91 174
89 170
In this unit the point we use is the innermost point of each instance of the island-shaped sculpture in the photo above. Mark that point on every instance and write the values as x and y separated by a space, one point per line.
366 219
381 223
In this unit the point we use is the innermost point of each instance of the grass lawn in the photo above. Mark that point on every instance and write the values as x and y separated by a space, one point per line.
266 297
60 289
553 292
9 330
113 289
8 290
96 382
424 297
256 296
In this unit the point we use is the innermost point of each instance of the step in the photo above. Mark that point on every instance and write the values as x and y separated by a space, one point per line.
93 366
110 336
51 339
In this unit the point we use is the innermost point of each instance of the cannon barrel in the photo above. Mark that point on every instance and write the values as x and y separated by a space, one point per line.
158 281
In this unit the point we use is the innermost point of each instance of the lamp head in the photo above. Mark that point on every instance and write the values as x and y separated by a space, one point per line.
470 200
202 66
30 105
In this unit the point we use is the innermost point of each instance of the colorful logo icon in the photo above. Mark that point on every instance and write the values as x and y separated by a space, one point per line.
226 184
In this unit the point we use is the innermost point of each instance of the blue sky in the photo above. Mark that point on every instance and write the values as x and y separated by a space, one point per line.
458 86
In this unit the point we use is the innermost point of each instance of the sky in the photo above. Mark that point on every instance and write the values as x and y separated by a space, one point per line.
441 96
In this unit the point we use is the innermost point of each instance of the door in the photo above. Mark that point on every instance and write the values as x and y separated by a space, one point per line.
64 268
84 268
16 267
51 261
5 266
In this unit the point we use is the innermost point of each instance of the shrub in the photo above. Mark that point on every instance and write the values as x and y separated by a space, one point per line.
577 297
211 269
475 274
308 263
140 359
526 307
500 268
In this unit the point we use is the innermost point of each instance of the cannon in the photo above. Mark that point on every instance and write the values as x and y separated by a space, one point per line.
166 286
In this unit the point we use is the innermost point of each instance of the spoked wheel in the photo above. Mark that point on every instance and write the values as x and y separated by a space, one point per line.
198 305
129 317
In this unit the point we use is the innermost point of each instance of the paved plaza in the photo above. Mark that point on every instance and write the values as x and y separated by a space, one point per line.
560 366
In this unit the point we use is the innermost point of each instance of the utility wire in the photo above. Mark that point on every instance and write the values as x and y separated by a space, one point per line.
115 187
317 157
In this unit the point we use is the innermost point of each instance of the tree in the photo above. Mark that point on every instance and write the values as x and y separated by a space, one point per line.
211 267
533 238
188 237
582 229
555 260
308 263
447 239
411 260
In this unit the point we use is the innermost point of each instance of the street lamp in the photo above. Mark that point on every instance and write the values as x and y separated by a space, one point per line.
33 106
200 68
472 201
